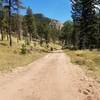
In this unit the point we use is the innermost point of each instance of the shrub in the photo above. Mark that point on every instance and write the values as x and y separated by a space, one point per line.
23 49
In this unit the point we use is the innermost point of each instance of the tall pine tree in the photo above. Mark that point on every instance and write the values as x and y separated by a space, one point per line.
76 15
30 23
87 25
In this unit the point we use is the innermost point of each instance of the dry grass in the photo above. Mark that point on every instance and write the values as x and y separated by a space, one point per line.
89 61
11 58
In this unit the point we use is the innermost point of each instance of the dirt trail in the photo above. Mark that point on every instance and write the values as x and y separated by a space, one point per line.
52 77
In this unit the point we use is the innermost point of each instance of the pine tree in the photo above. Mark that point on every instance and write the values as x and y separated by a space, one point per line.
97 7
76 16
10 35
87 26
17 6
18 24
30 23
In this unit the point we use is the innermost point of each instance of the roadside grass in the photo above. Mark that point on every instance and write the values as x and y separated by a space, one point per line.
10 57
88 60
55 46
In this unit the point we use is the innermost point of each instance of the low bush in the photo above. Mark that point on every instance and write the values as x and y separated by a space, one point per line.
23 49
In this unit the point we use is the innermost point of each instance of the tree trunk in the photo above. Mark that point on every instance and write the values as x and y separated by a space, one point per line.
2 35
10 35
30 37
18 27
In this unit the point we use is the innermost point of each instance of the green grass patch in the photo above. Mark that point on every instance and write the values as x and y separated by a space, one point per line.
88 60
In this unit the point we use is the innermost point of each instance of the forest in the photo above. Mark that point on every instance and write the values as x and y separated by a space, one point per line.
83 32
28 27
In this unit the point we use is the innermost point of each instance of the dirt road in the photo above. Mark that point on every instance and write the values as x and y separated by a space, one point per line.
52 77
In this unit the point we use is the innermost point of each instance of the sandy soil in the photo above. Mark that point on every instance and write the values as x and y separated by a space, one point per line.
52 77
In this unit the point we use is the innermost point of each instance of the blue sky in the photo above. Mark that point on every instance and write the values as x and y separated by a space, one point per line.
56 9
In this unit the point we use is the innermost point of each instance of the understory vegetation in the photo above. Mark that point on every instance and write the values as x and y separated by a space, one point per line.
18 56
21 53
88 60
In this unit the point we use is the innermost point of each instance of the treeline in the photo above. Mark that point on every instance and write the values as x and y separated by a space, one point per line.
84 31
30 27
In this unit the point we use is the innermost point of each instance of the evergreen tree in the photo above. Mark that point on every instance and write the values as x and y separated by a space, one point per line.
30 23
66 35
76 16
83 14
97 7
87 25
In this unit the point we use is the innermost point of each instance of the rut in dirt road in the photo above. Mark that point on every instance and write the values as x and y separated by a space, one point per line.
52 77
